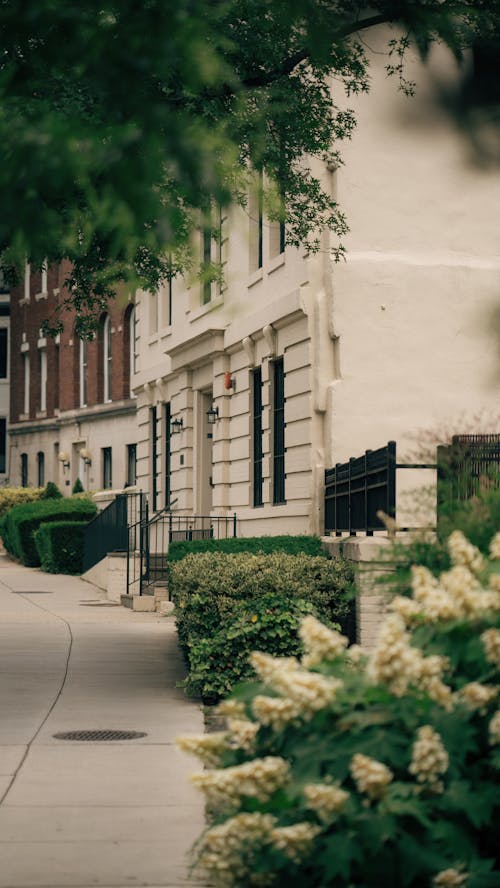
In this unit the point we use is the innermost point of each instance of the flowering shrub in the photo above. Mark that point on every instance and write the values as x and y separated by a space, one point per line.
340 769
228 605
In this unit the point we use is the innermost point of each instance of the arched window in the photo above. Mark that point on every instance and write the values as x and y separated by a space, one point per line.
107 358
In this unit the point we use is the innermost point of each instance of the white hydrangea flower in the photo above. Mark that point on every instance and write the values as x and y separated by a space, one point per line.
398 664
429 759
325 799
259 779
267 666
370 776
243 733
231 709
355 654
477 696
408 609
285 676
463 552
207 747
495 547
320 642
436 603
276 712
294 841
227 850
494 729
449 878
491 643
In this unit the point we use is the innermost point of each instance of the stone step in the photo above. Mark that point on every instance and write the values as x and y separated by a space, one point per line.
144 603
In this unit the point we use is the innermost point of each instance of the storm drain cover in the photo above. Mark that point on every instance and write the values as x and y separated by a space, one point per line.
100 735
33 591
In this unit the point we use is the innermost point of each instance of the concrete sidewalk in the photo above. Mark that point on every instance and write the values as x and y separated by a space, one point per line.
81 814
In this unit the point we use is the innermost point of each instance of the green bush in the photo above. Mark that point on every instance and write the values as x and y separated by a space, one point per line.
293 545
13 496
348 770
78 487
22 521
60 546
51 491
227 604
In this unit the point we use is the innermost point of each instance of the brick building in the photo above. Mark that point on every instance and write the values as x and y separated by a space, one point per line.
71 412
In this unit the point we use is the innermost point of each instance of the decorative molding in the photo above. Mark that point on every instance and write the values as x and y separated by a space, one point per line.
269 334
249 349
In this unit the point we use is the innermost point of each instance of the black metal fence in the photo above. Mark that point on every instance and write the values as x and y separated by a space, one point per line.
108 531
467 466
355 491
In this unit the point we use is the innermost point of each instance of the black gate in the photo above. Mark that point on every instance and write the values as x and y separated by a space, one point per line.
466 467
108 531
355 491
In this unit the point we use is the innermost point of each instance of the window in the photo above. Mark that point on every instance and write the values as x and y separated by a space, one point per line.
276 239
40 464
43 379
44 277
278 432
214 239
26 373
57 378
169 300
155 472
153 313
107 468
257 436
24 469
256 225
168 454
3 445
83 372
107 359
27 277
131 465
4 352
132 332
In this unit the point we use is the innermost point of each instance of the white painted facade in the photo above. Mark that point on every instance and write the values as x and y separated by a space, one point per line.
397 341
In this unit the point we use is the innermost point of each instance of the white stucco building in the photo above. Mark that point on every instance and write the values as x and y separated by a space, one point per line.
307 362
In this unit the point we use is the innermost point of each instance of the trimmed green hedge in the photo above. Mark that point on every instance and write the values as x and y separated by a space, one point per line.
293 545
229 605
60 546
19 525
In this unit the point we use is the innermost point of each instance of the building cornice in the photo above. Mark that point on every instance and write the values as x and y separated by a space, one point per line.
98 411
193 351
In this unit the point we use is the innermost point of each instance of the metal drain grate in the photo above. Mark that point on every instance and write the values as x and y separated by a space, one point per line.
100 735
99 604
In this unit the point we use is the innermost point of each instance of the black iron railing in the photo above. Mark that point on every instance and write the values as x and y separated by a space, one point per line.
108 531
467 466
149 538
355 491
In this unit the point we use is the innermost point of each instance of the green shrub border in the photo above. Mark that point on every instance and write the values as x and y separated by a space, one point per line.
292 545
60 546
19 525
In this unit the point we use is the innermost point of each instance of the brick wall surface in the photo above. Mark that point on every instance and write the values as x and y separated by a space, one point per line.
63 384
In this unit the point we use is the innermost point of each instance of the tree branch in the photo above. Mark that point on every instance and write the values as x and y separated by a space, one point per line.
267 77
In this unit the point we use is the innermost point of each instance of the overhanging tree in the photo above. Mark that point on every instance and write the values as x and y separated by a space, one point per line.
121 122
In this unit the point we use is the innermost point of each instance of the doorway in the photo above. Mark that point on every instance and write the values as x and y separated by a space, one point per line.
204 487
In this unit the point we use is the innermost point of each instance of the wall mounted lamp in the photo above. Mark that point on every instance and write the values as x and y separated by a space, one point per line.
86 456
64 459
176 425
212 415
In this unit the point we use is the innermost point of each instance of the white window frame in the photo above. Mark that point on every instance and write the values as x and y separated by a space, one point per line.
82 365
44 286
43 379
27 281
107 359
26 367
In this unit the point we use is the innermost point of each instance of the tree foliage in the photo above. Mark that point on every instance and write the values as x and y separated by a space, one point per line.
122 121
